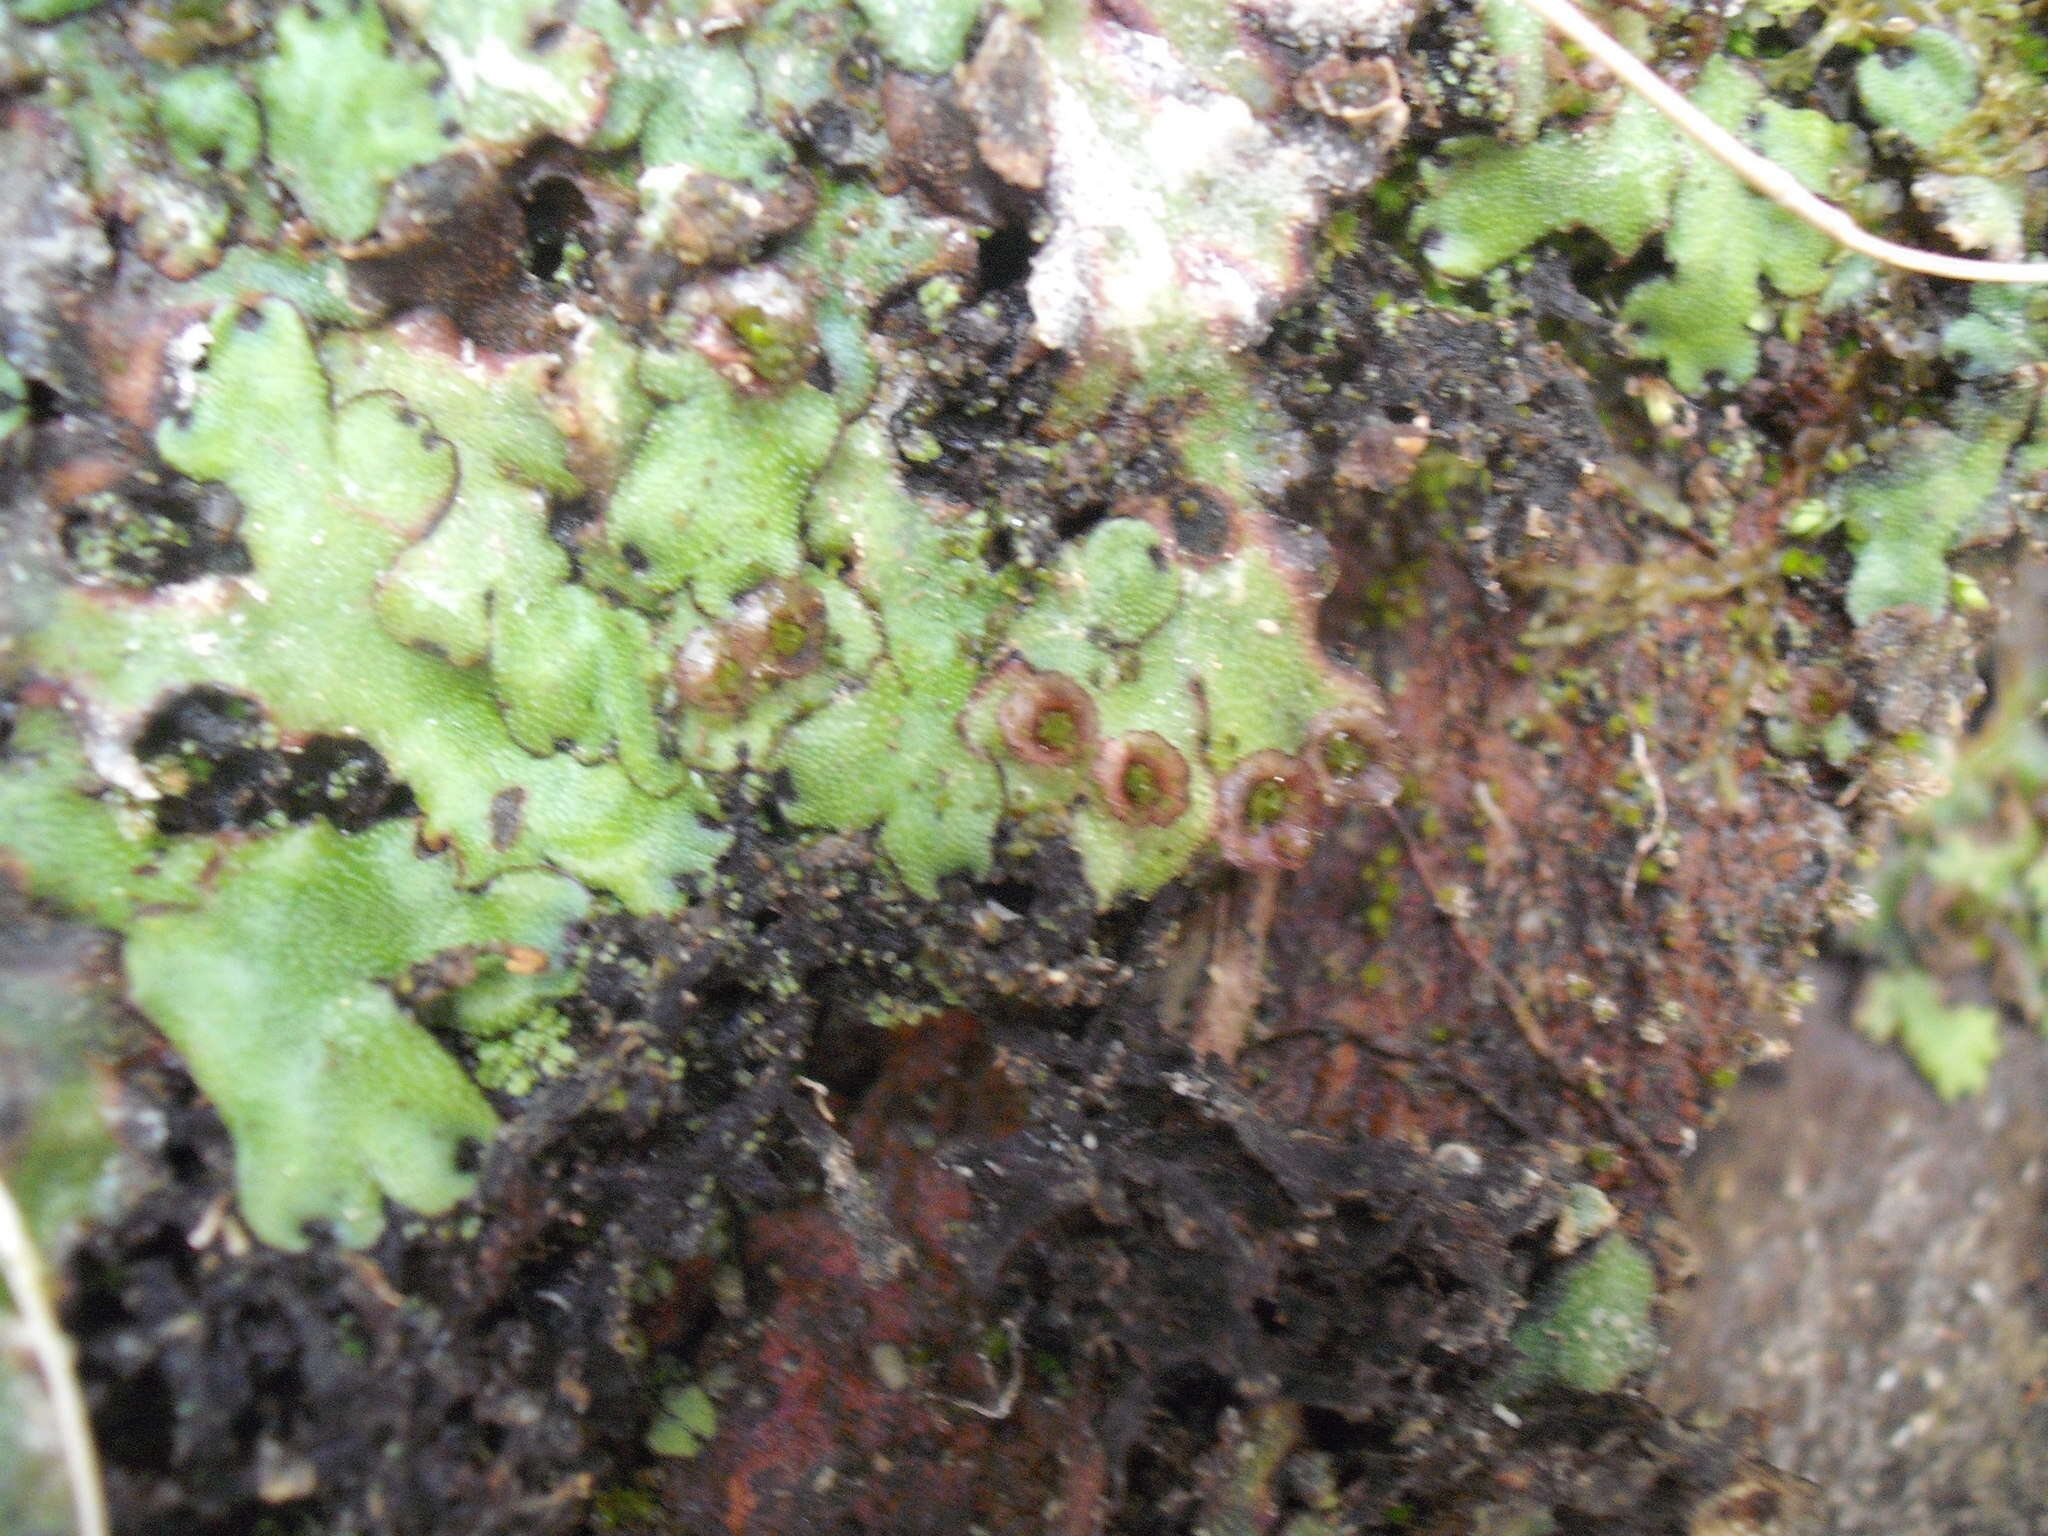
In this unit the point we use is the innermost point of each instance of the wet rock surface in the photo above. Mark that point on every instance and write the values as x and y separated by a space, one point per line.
1871 1280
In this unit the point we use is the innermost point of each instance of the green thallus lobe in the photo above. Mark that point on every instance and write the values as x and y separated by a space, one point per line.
750 591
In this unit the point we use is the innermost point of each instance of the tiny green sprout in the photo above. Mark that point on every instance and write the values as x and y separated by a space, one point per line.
1589 1328
687 1422
938 297
771 347
1968 594
1812 516
1341 236
1802 565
